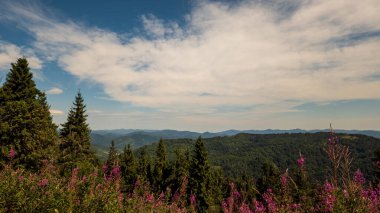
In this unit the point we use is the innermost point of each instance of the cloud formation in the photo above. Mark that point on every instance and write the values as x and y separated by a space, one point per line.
54 91
9 53
224 55
56 112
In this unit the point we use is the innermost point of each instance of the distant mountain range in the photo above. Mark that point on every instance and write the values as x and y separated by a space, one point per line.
101 139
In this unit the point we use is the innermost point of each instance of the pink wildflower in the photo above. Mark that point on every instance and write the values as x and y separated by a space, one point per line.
104 168
12 153
301 161
137 183
192 199
43 182
328 187
149 198
328 197
236 195
116 171
295 206
284 180
20 178
269 199
225 206
244 208
98 187
259 207
359 178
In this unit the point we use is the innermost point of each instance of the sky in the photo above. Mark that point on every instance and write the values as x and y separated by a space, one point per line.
202 65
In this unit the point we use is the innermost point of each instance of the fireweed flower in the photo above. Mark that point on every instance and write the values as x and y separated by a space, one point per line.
192 199
236 195
149 198
328 197
104 168
244 208
43 182
269 199
12 153
359 178
259 207
295 206
301 160
328 187
224 206
116 171
284 180
20 178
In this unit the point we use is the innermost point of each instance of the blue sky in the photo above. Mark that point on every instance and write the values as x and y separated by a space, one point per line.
202 65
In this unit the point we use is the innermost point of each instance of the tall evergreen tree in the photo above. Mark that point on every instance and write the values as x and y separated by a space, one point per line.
160 173
76 124
144 169
143 165
180 168
199 175
112 156
75 138
128 167
26 125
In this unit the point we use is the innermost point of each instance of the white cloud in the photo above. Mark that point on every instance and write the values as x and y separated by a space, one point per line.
56 112
54 91
9 53
94 111
241 55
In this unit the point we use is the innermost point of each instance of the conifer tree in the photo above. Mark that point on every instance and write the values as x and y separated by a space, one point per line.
160 173
143 165
112 156
180 169
76 124
128 167
199 175
26 125
75 138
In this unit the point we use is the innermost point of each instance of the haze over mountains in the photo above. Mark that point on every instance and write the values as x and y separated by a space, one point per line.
139 137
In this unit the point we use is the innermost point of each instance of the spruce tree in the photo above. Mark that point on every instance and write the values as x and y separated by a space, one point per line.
160 173
26 125
199 175
180 169
112 155
76 124
75 138
128 167
144 169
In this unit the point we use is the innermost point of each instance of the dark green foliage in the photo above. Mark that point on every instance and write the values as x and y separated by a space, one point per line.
376 164
112 156
76 124
180 168
160 172
269 179
244 154
144 169
216 186
25 122
199 175
75 138
128 168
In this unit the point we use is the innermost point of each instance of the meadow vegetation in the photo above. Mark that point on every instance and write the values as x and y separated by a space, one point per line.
46 170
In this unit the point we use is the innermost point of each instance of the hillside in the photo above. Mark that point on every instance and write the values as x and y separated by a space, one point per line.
101 139
246 153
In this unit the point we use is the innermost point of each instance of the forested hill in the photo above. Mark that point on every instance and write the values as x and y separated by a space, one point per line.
246 153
